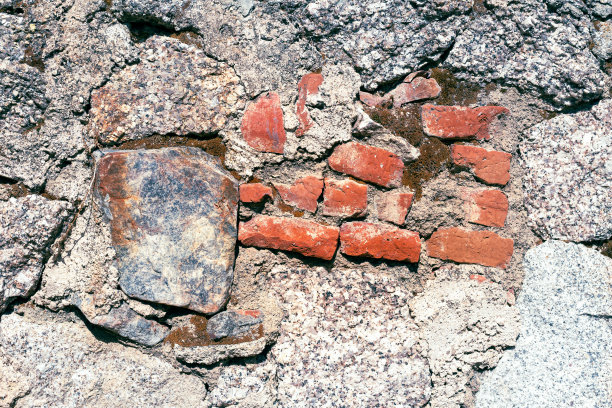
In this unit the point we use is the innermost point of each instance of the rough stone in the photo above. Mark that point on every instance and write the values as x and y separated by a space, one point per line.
246 387
368 163
345 198
568 175
379 241
327 339
565 342
372 100
393 206
489 166
304 193
176 89
233 323
486 207
308 85
418 89
60 362
213 353
306 237
262 126
478 247
459 122
28 227
603 40
172 214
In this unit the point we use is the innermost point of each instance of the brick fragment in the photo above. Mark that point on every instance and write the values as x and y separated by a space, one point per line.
306 237
418 89
372 100
489 166
486 207
475 247
262 124
379 241
368 163
459 122
308 85
345 198
393 206
303 194
254 192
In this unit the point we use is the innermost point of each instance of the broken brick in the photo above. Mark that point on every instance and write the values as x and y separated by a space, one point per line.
459 122
262 124
474 247
371 99
393 206
308 85
368 163
486 207
418 89
345 198
489 166
306 237
303 194
379 241
254 192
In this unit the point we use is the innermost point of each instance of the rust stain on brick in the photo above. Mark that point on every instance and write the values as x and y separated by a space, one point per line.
195 335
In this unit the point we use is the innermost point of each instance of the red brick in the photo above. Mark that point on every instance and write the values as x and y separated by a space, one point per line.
475 247
368 163
290 234
254 192
418 89
372 100
489 166
486 207
459 122
345 198
262 124
393 206
379 241
308 85
304 193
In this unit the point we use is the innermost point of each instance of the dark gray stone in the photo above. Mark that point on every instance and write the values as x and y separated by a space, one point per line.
233 323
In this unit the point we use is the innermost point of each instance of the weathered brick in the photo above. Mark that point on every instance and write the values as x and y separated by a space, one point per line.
486 207
393 206
372 100
475 247
304 193
308 85
489 166
459 122
379 241
368 163
418 89
262 124
254 192
345 198
290 234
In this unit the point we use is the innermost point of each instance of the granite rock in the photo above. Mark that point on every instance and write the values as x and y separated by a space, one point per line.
564 353
568 175
214 353
251 386
28 227
602 40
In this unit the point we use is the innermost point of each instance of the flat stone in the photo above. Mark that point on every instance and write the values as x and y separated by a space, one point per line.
562 356
263 126
489 166
303 194
379 241
28 227
176 89
172 214
233 323
308 85
459 122
568 175
345 198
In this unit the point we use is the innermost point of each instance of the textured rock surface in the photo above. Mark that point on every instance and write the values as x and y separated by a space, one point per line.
565 346
59 362
28 228
182 257
233 323
327 340
568 175
248 387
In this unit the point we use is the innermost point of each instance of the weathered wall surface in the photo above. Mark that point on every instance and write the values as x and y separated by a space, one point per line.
305 203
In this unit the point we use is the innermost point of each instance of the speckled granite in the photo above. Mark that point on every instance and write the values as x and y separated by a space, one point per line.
347 341
563 356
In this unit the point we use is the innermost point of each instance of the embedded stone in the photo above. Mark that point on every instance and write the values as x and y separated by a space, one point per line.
393 206
345 198
368 163
379 241
234 324
459 122
475 247
489 166
304 193
371 99
254 192
418 89
172 214
308 85
262 124
306 237
486 207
